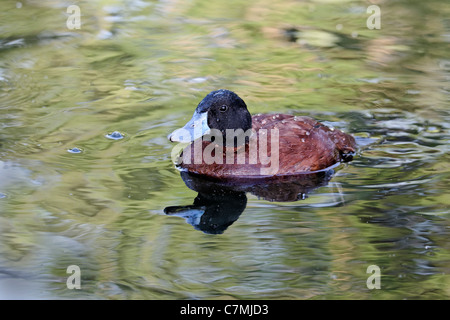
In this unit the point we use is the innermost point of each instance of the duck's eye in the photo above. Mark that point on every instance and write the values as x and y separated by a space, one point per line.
223 108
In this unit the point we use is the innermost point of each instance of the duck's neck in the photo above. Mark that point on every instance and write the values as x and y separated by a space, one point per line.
237 138
230 138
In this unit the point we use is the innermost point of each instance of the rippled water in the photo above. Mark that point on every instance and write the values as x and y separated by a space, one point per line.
86 175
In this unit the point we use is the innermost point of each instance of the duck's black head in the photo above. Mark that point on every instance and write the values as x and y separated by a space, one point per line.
220 110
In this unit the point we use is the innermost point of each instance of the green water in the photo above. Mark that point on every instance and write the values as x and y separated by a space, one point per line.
140 68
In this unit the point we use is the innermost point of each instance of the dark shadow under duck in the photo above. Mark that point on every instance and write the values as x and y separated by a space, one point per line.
235 145
220 203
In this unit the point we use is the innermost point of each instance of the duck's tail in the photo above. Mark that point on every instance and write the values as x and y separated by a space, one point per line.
345 143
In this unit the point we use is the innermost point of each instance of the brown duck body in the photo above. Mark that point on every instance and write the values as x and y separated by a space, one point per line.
303 145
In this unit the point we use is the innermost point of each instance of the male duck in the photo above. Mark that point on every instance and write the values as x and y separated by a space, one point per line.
270 145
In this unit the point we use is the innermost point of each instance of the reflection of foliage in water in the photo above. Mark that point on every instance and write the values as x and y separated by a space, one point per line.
140 68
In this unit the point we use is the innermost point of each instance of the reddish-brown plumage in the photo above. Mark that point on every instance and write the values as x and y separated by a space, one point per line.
305 145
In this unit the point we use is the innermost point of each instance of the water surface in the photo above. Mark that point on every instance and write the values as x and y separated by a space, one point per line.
71 195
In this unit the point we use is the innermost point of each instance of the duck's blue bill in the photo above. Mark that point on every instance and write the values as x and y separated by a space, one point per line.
194 129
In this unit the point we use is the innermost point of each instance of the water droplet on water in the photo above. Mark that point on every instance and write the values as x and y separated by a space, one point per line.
301 196
74 150
116 135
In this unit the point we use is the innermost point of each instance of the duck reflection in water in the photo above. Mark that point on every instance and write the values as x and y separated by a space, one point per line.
220 203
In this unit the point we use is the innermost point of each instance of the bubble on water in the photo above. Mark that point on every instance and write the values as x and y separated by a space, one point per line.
116 135
75 150
2 195
197 80
104 34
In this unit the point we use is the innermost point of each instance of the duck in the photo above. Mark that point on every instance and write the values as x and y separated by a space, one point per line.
224 141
